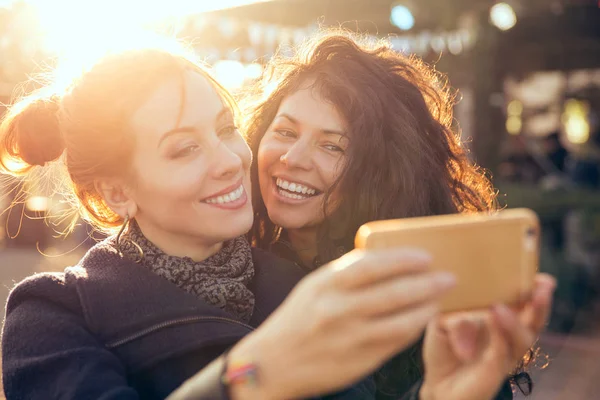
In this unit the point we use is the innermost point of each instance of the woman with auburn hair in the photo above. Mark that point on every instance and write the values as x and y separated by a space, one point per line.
347 132
149 143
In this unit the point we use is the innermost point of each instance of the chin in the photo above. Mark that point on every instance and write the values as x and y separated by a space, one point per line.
230 228
288 222
242 224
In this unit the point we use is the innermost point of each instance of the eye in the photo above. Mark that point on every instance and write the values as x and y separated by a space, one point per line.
286 133
334 148
227 131
186 151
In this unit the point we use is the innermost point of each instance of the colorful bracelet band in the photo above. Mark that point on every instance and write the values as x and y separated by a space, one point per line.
241 373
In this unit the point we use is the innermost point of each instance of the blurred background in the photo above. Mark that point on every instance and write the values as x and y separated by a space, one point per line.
528 77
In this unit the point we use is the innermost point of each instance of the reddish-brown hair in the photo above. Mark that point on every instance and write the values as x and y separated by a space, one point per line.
84 123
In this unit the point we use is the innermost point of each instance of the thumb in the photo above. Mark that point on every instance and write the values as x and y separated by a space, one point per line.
464 333
438 356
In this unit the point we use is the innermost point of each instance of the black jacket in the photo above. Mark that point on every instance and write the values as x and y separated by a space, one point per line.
111 329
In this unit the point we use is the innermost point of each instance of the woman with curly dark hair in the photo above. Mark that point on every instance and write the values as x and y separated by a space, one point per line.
348 132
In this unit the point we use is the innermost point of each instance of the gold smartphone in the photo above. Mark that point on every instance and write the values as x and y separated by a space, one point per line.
494 256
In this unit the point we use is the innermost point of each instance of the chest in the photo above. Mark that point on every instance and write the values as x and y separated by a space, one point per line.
160 358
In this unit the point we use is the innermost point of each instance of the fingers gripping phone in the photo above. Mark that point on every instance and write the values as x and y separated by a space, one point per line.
493 256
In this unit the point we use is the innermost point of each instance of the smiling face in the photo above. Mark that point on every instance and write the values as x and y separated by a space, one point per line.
190 180
299 158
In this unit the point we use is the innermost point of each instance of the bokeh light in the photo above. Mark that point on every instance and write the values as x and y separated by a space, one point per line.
575 121
254 71
230 73
402 17
503 16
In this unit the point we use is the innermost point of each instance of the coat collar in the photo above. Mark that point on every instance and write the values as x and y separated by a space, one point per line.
120 298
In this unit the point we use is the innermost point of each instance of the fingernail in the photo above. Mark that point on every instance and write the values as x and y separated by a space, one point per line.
467 348
421 256
501 309
446 280
549 292
414 252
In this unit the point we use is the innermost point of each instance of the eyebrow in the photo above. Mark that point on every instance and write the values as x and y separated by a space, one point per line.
190 129
324 131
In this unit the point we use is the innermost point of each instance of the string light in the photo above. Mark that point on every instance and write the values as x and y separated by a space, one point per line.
402 17
503 16
514 122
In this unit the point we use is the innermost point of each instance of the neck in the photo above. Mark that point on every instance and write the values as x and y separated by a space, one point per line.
304 242
179 245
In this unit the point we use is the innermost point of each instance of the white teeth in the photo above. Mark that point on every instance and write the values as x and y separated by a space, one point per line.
228 198
295 187
292 195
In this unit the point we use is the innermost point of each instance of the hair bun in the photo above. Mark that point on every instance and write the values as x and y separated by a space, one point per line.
37 138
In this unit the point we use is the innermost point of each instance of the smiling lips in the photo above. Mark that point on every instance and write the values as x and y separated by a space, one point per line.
227 198
294 190
230 198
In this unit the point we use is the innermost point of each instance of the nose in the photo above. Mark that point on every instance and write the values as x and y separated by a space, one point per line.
226 162
297 156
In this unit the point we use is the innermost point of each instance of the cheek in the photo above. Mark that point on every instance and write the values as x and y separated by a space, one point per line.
177 188
263 174
330 168
330 171
163 185
241 148
268 155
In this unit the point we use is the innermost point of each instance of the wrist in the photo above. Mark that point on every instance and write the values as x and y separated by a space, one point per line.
264 384
425 392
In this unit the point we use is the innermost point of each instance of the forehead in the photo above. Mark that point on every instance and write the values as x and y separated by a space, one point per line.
309 107
186 98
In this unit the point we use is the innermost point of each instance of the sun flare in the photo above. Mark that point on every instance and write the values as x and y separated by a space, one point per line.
74 25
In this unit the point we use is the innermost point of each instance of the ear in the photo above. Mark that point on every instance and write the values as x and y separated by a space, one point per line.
117 196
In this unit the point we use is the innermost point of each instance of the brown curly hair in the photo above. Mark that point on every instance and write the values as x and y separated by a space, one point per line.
403 160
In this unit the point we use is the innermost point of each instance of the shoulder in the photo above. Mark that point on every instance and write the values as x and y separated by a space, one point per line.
47 346
41 301
51 287
59 288
42 304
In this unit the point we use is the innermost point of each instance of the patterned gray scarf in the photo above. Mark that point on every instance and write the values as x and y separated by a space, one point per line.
221 280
